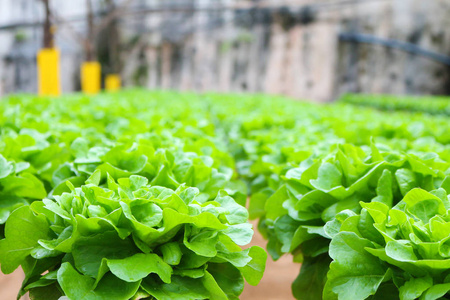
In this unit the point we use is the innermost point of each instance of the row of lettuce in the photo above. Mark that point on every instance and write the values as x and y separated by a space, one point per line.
112 198
436 105
141 195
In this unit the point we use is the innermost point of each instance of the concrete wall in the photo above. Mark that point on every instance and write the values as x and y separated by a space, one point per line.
261 51
375 69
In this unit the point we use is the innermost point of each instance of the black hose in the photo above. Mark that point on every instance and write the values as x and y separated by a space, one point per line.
396 44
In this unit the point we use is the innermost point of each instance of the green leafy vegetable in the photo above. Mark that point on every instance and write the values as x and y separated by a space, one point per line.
105 243
412 253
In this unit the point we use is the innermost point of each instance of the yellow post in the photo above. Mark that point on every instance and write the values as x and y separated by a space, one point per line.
112 82
90 77
48 72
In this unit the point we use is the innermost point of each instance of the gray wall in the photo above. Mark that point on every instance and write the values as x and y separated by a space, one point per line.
229 50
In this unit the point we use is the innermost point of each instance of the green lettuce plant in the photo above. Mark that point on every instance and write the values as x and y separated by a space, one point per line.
306 168
131 240
437 105
163 166
401 252
17 187
303 215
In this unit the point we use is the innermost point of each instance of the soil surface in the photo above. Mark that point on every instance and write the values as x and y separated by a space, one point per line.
278 277
10 285
275 285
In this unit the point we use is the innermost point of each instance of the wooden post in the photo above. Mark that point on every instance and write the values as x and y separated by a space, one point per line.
90 51
48 30
91 68
48 59
113 80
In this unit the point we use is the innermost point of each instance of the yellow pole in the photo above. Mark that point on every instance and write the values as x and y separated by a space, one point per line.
48 72
90 77
113 82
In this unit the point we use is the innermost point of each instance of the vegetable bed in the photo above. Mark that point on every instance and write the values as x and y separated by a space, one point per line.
143 195
437 105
